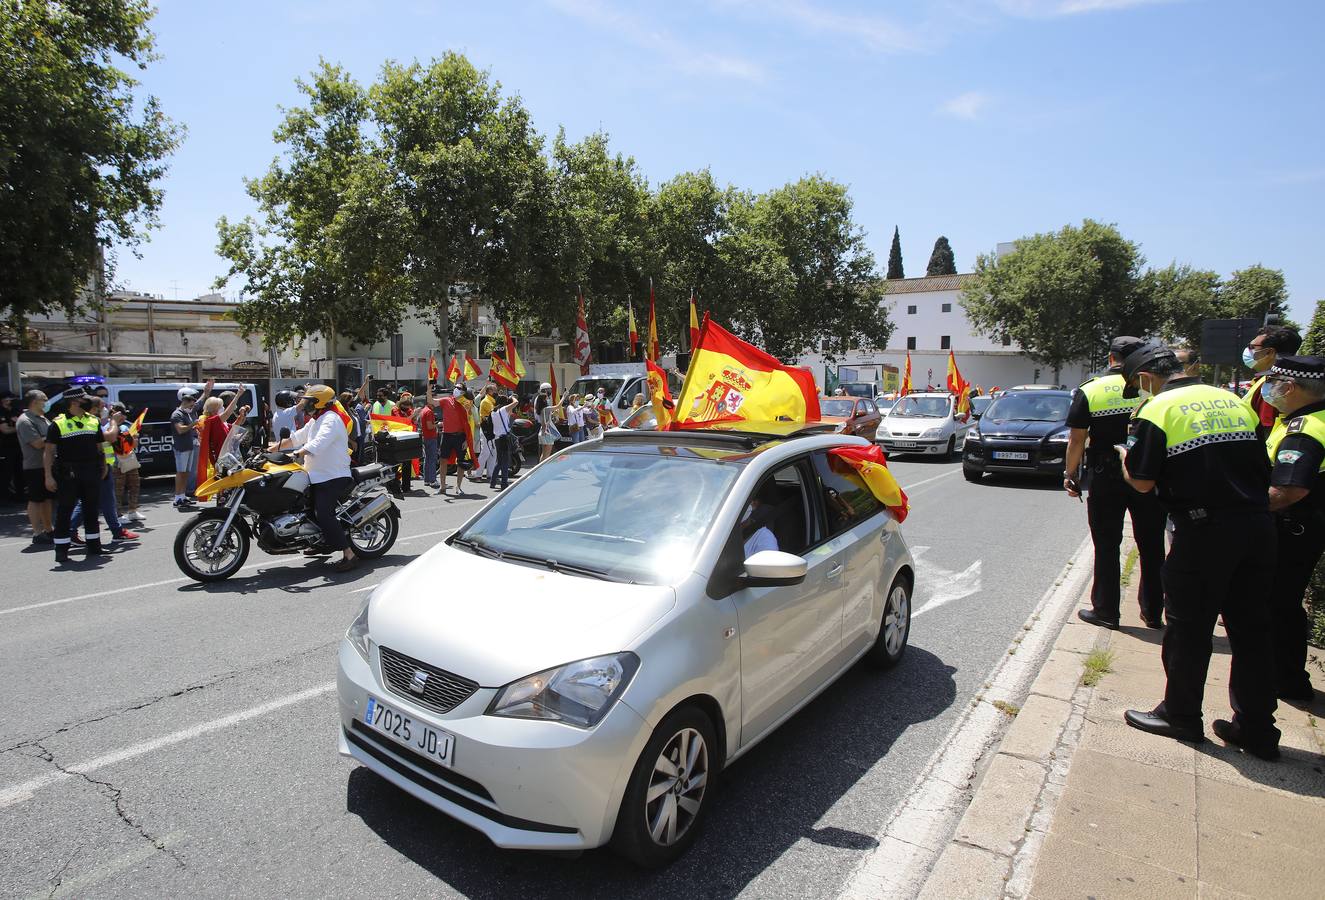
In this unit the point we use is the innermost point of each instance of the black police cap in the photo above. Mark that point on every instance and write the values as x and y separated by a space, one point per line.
1145 356
76 393
1124 344
1299 366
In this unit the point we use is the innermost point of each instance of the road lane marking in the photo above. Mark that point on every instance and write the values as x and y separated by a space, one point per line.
24 790
183 578
912 487
114 867
948 585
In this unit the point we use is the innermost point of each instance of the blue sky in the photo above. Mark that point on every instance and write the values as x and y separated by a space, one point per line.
1195 125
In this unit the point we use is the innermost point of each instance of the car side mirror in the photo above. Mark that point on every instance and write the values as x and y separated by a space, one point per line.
771 568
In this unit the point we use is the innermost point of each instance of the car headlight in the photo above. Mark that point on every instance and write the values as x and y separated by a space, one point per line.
933 432
1060 436
357 633
579 693
973 434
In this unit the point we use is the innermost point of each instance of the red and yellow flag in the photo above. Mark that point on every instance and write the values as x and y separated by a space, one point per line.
872 466
694 322
138 423
472 372
653 352
552 380
432 369
502 373
632 333
730 380
905 387
512 358
960 389
453 370
664 409
380 422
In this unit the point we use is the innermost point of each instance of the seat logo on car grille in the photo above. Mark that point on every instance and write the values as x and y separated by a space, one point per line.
419 682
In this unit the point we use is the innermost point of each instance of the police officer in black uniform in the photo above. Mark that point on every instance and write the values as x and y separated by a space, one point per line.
1295 385
1099 417
75 463
1198 445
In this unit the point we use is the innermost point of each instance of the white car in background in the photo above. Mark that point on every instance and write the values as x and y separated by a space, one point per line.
923 423
577 664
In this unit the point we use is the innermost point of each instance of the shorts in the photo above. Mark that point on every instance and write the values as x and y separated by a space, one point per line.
453 442
186 460
35 482
547 439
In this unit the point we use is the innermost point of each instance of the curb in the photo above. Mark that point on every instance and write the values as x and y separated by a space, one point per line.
920 831
998 840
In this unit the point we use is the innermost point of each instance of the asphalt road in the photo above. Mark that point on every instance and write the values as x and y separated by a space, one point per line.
201 722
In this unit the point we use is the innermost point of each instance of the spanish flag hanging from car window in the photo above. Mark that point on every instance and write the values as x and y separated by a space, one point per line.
732 381
872 466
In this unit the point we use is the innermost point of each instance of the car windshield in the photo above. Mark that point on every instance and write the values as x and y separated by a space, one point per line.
586 386
922 407
980 404
642 419
1028 407
628 516
841 408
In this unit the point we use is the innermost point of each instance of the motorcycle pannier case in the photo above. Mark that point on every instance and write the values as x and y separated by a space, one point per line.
399 446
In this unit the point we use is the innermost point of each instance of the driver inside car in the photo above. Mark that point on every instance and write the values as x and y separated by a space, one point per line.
754 525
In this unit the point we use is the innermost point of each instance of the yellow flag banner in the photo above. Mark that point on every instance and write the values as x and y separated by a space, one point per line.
730 380
872 466
960 389
137 425
472 372
664 410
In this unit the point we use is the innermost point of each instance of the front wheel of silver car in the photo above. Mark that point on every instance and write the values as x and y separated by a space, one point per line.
669 789
895 630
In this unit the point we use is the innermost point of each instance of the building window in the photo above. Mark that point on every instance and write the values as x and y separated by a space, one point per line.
1007 340
947 307
910 310
910 343
945 342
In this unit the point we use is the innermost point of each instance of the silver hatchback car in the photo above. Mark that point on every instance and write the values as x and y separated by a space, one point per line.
577 663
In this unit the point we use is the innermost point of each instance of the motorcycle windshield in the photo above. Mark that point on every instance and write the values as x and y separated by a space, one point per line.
231 453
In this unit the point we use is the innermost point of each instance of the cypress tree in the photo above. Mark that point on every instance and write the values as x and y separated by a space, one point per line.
895 256
941 261
1314 342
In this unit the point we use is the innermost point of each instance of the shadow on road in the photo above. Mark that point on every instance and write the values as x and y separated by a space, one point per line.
1022 482
768 800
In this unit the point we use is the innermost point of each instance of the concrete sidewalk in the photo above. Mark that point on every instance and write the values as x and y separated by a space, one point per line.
1076 804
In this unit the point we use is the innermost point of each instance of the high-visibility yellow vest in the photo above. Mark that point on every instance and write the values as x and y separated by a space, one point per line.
1196 415
77 426
1312 425
1104 396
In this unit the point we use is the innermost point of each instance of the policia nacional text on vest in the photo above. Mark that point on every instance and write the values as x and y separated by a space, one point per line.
1100 408
1197 445
1296 450
79 457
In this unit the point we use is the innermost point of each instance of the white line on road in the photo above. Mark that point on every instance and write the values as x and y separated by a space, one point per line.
79 885
912 487
24 790
138 587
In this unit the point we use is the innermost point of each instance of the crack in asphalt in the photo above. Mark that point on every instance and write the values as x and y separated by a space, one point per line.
58 878
152 701
116 796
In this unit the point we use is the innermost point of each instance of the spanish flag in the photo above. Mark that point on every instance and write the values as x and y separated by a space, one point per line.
502 373
653 351
906 378
732 381
380 422
552 380
472 372
664 409
694 322
872 466
453 370
137 425
512 358
632 333
432 369
960 389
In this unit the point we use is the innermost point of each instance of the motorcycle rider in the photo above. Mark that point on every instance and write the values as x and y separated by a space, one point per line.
323 448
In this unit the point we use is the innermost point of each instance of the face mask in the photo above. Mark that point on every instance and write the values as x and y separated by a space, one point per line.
1249 358
1274 393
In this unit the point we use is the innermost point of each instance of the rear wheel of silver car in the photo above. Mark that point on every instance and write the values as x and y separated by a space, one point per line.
668 793
372 539
895 630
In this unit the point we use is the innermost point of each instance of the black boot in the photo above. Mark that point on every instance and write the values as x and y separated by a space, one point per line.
94 548
62 553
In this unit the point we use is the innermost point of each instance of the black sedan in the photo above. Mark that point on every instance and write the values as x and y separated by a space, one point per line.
1021 432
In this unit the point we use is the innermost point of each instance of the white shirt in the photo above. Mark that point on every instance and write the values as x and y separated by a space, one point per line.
284 418
575 416
501 422
762 539
326 446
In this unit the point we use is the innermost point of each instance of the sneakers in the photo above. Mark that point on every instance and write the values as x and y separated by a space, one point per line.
125 534
44 538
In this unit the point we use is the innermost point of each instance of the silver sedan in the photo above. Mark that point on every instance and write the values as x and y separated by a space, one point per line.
577 664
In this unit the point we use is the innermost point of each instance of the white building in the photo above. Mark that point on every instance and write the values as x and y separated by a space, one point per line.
929 321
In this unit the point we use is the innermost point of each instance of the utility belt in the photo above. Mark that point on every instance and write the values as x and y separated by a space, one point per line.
1104 461
1299 522
1201 517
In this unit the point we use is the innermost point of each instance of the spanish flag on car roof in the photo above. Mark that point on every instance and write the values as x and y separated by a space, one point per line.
732 381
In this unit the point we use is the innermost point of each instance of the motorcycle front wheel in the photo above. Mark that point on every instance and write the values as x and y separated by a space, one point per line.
372 539
193 553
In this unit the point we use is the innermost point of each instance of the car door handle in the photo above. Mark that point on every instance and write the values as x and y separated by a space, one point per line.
834 571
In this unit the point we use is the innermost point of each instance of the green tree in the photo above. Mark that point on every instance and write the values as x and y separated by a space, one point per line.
1183 299
1313 343
895 256
687 216
323 258
941 261
80 153
796 274
1254 292
1062 296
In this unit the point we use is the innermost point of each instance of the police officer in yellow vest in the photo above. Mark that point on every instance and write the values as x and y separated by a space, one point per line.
1295 386
1270 343
75 464
1197 446
1100 413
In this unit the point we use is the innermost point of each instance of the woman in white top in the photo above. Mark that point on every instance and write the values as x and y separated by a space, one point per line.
323 447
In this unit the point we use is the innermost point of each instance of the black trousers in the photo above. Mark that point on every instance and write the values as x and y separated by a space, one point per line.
1300 547
1220 566
326 495
1109 498
72 485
